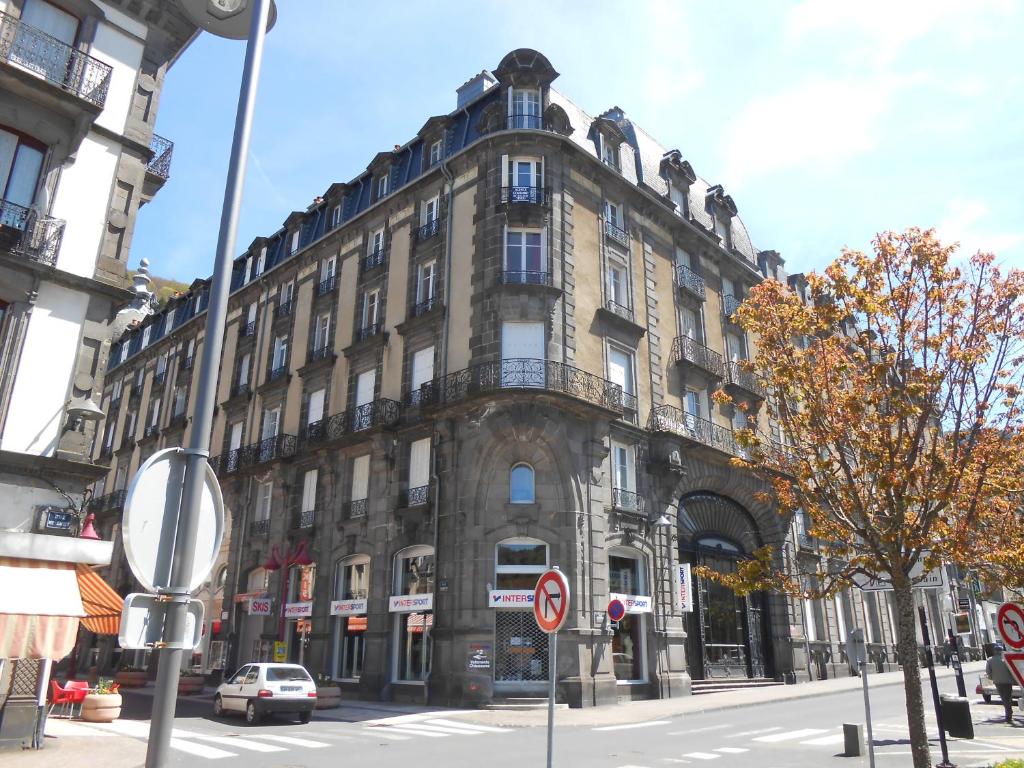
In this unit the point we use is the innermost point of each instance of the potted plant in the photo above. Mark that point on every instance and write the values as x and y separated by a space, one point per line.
190 682
131 677
103 703
328 695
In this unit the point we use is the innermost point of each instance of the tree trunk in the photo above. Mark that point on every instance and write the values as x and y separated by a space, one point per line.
906 654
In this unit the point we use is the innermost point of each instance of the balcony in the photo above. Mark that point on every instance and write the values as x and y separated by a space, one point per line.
160 165
320 353
616 234
284 309
377 413
729 306
241 388
112 502
260 527
326 285
523 195
276 374
671 420
159 378
627 501
425 306
33 51
177 420
356 509
246 330
428 230
531 374
150 431
188 362
269 449
743 384
518 120
416 497
696 356
690 281
373 260
26 233
426 394
620 310
525 277
304 520
368 331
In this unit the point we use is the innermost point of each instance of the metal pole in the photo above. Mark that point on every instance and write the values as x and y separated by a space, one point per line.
957 664
198 451
553 664
867 713
929 660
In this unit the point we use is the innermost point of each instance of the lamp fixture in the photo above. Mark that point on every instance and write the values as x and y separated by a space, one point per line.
81 411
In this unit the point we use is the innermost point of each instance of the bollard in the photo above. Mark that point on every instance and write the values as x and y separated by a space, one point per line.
853 739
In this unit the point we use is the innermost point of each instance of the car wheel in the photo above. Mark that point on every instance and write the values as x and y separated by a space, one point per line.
252 717
305 717
987 697
218 706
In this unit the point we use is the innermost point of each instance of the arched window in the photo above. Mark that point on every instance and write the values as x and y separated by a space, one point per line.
520 484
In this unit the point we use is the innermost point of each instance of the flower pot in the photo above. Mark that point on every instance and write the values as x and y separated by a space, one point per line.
101 707
328 697
131 679
189 684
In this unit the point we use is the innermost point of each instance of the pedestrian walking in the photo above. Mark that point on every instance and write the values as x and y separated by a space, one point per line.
1002 678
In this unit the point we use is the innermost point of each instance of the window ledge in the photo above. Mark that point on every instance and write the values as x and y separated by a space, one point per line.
629 328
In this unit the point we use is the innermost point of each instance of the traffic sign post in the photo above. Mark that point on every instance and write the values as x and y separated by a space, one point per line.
550 609
1010 623
142 623
857 652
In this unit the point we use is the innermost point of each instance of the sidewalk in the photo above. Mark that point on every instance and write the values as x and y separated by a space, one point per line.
661 709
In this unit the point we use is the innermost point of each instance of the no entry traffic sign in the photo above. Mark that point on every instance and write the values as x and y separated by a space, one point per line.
1010 621
616 610
551 600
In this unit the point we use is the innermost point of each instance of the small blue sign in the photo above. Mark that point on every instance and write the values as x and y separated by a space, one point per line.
616 610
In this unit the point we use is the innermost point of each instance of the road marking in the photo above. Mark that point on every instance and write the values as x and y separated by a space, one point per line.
754 733
835 738
440 729
702 755
632 725
237 742
295 742
200 750
674 760
791 735
701 730
732 750
407 731
474 726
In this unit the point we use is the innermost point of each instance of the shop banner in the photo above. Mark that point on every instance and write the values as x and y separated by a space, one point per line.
510 598
259 606
684 591
634 603
410 603
298 610
348 607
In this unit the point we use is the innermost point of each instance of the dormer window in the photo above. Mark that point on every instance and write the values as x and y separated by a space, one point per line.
435 154
336 216
248 270
524 108
609 151
679 194
382 187
722 228
261 261
294 243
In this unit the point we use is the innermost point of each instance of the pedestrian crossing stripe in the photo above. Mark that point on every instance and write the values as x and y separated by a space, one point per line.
790 735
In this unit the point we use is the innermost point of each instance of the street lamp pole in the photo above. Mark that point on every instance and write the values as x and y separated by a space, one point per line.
198 451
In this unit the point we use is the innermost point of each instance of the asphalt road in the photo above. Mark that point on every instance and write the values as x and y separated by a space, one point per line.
794 733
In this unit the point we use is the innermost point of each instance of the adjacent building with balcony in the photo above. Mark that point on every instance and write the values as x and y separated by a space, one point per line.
80 82
490 352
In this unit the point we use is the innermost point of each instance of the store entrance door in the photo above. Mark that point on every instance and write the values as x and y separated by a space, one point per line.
520 654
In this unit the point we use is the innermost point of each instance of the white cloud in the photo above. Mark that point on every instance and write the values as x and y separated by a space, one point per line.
965 222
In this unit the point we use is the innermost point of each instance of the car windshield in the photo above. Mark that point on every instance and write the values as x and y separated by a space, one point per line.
278 674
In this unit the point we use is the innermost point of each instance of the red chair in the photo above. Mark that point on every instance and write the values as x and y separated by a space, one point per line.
78 690
60 697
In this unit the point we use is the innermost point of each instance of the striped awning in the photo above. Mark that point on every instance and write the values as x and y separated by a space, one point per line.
101 603
40 605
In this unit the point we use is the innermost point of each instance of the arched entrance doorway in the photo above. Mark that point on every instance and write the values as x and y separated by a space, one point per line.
726 632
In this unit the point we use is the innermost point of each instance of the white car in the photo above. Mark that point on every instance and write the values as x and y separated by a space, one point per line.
257 689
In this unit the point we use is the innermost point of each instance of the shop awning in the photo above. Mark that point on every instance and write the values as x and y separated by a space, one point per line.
101 603
40 606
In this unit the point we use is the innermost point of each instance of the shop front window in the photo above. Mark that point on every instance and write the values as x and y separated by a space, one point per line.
627 582
351 588
412 602
520 648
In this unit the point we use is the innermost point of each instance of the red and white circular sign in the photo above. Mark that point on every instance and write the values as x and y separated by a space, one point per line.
1010 621
551 600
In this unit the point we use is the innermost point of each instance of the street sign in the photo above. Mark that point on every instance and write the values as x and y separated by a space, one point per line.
882 582
1015 661
616 610
551 600
150 523
1010 621
856 650
142 623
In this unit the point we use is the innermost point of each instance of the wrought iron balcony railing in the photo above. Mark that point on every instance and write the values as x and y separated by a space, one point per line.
320 353
629 406
159 378
188 362
531 374
25 232
667 418
260 527
378 413
247 329
425 306
626 313
32 50
177 420
519 194
745 380
367 331
356 509
424 395
525 120
525 277
284 309
687 350
616 233
269 449
627 501
416 497
160 165
326 285
428 230
689 280
277 373
106 451
111 502
730 304
150 431
114 404
373 260
241 388
305 519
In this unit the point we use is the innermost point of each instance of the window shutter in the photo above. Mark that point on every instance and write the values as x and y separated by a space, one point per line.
316 406
422 367
504 168
236 436
252 313
309 491
360 477
419 463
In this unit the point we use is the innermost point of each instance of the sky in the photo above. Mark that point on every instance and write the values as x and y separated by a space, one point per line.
826 121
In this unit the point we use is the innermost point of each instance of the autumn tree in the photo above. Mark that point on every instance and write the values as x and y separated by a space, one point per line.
897 386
